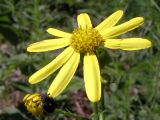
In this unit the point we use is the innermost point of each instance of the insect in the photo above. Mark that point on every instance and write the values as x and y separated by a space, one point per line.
39 104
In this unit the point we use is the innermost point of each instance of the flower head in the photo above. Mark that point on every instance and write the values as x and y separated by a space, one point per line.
38 104
33 103
85 39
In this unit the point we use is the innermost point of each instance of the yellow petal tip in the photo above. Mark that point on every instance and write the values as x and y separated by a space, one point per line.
120 12
148 43
49 29
145 43
28 49
30 81
140 19
33 79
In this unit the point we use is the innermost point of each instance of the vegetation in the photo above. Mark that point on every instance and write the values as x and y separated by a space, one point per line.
131 79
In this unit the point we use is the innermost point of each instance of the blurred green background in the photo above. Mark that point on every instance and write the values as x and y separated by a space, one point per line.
132 89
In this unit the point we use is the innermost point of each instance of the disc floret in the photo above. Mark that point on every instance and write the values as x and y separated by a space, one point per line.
86 40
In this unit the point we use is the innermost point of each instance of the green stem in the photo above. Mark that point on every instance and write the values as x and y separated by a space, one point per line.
69 114
102 103
95 105
102 98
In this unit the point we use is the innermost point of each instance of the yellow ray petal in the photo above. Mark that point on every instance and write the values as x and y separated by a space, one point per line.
128 43
29 97
58 33
52 66
84 21
64 76
122 28
110 21
47 45
92 78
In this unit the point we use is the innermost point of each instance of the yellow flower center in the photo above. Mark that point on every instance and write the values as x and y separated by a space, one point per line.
86 40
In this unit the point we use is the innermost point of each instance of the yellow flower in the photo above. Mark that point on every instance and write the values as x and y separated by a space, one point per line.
33 103
85 40
39 104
